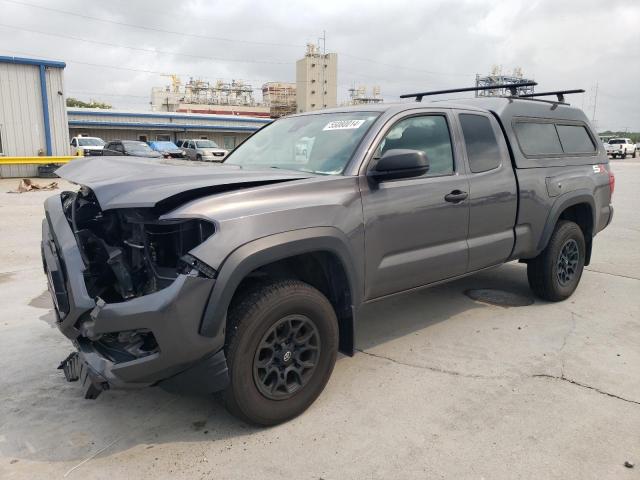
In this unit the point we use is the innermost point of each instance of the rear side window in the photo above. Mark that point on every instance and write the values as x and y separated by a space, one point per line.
538 138
482 148
575 139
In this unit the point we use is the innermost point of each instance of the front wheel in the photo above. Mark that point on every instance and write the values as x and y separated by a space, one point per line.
281 348
555 273
199 158
635 153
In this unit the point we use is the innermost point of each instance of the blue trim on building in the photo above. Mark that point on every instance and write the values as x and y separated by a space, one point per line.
45 108
106 113
32 61
177 127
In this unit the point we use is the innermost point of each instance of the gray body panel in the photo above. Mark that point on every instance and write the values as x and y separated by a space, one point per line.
389 236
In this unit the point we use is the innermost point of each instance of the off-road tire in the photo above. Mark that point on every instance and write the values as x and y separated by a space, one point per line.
543 271
253 316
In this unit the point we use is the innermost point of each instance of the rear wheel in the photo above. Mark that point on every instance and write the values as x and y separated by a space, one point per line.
555 273
635 153
281 349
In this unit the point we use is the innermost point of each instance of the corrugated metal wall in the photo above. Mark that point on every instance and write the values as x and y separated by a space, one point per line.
21 117
58 112
21 110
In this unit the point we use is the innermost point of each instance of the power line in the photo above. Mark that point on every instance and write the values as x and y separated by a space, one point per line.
147 71
417 70
141 49
222 39
149 28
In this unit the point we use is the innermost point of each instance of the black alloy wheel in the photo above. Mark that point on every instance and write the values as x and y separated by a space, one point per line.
568 262
286 357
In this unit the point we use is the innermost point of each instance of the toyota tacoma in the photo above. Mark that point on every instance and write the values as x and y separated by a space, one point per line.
247 277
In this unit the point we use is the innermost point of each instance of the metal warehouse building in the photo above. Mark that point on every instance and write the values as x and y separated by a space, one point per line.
33 117
226 130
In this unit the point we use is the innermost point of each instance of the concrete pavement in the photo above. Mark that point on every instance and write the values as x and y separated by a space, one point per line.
442 386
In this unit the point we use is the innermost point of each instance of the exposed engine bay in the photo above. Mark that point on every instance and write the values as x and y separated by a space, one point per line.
130 252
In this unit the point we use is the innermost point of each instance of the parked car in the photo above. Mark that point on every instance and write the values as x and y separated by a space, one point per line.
168 149
131 148
621 147
86 146
249 277
203 150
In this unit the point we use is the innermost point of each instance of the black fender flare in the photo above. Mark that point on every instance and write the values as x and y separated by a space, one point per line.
265 250
563 202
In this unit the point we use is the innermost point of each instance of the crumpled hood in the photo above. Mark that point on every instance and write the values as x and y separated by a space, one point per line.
128 182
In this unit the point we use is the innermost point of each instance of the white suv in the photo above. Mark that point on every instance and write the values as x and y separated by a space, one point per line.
86 146
203 150
621 147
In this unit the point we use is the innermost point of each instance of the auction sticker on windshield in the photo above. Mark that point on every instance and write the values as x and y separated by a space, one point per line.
343 124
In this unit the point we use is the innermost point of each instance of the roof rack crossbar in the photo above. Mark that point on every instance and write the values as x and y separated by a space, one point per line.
559 93
513 88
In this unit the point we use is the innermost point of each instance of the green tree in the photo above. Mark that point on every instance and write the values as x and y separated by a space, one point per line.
74 102
634 136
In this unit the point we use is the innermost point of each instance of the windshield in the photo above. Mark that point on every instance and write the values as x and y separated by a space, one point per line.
137 147
616 142
321 143
206 144
90 142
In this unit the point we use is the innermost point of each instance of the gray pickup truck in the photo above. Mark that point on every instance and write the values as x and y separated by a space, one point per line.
247 277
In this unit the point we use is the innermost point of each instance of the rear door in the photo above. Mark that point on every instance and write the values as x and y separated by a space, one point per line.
493 195
416 228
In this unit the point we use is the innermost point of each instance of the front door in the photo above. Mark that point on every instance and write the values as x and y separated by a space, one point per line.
416 228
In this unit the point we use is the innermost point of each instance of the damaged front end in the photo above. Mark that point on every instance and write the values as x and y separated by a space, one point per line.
130 253
128 293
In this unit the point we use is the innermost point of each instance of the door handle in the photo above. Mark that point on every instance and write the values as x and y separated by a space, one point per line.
456 196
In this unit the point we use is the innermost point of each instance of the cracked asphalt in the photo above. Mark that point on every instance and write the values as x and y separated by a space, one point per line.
442 386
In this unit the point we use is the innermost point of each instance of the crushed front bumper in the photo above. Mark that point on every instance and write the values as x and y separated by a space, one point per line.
184 360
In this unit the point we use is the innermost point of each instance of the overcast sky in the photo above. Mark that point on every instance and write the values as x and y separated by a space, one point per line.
116 50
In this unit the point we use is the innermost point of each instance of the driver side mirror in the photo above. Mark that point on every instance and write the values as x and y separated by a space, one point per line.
400 163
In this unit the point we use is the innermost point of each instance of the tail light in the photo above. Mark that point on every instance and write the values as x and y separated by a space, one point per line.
612 181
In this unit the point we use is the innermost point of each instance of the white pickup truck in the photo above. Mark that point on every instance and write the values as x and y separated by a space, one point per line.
621 147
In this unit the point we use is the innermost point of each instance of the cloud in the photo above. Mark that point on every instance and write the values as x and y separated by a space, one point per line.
401 45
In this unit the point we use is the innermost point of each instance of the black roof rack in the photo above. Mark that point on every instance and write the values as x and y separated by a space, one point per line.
513 88
559 93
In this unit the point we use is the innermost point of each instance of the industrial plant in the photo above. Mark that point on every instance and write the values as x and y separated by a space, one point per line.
316 87
359 96
199 96
497 77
